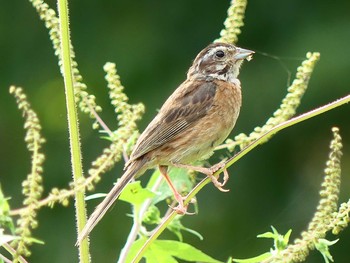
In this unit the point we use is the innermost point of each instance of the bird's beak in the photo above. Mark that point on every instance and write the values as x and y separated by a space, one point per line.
243 53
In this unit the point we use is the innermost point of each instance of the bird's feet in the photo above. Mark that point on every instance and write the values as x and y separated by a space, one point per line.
214 169
210 173
181 209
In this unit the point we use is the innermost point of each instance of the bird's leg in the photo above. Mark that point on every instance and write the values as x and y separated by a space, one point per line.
181 208
209 172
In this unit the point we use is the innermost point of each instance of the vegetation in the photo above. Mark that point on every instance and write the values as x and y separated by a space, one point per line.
150 203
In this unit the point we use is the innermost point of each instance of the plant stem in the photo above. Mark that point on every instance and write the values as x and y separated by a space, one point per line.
73 125
12 251
286 124
5 259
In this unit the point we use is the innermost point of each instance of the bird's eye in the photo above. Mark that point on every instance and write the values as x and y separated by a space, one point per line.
219 54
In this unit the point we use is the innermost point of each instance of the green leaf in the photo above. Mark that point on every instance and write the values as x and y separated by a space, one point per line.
5 219
35 240
157 254
135 194
152 255
168 250
287 236
179 178
182 251
267 235
323 245
136 246
176 227
280 241
254 259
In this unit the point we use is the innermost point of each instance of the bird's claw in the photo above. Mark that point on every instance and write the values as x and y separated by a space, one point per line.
210 173
181 209
215 180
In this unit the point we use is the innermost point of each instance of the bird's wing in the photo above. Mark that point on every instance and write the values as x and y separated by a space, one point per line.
176 117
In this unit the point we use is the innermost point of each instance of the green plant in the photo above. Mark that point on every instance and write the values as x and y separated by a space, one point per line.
141 241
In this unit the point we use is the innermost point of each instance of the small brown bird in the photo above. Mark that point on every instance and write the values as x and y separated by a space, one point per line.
197 117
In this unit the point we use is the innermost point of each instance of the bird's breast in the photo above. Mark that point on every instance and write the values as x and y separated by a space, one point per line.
224 111
209 131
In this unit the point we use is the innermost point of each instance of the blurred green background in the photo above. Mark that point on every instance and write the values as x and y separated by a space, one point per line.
153 44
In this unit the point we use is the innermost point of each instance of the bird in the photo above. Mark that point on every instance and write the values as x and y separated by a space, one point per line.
198 116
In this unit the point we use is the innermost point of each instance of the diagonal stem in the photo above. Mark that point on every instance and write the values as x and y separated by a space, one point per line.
234 159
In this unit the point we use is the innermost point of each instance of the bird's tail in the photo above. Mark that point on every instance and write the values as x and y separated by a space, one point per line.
135 168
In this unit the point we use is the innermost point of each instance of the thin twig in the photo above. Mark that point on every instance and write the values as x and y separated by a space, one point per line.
68 193
11 250
5 259
99 119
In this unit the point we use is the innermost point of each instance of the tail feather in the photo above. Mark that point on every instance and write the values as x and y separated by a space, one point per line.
133 169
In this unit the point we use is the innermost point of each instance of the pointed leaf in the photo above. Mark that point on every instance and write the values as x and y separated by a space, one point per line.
35 240
267 235
322 245
287 236
183 251
154 254
135 194
176 227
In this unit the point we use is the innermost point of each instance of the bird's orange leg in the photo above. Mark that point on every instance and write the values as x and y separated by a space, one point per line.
209 172
181 208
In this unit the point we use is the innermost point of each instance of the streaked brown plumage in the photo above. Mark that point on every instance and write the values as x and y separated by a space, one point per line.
198 116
